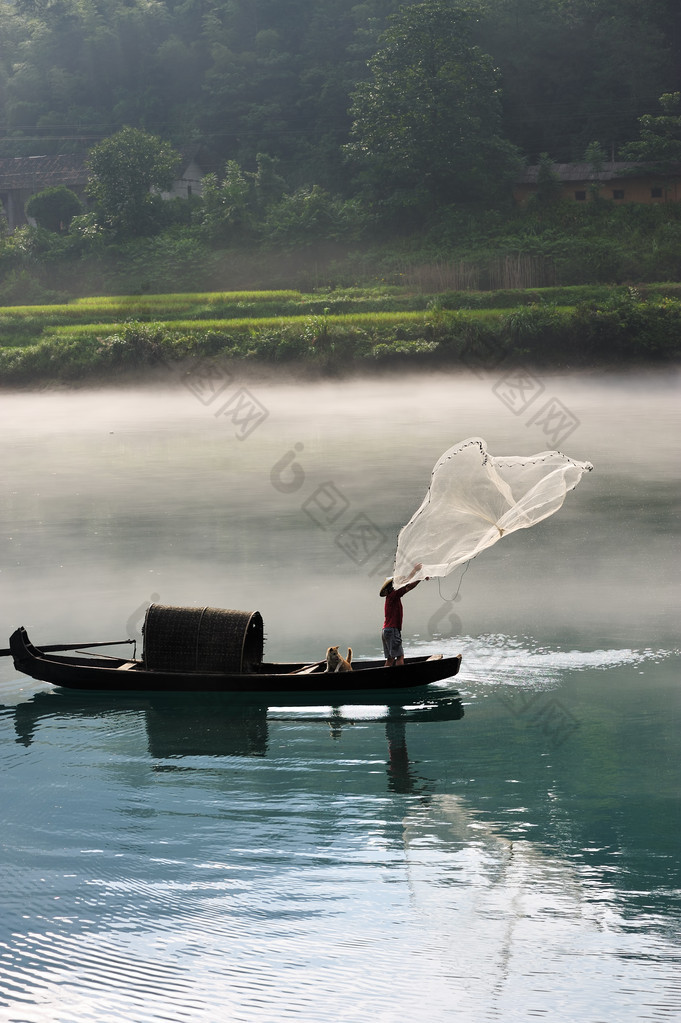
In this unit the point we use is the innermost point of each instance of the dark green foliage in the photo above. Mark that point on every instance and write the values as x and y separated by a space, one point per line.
242 207
278 78
660 136
312 214
427 124
54 208
563 244
169 262
228 205
575 71
135 347
627 327
443 93
127 173
21 287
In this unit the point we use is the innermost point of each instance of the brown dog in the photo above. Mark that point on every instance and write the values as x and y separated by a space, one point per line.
336 662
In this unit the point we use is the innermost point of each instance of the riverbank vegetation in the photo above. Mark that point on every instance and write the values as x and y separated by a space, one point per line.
564 245
339 332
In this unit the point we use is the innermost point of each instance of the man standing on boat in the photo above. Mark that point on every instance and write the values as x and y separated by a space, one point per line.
392 623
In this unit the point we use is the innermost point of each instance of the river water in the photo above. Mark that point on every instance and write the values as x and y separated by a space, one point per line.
505 847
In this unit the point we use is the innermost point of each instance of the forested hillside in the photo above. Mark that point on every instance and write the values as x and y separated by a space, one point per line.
374 139
279 76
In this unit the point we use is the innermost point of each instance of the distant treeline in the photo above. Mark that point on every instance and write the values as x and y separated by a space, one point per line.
280 77
350 143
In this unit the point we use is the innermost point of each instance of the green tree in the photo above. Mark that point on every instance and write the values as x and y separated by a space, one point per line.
660 141
54 208
312 214
562 64
228 203
127 173
269 185
426 125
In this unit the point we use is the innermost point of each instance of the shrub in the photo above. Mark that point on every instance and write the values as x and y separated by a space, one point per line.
310 214
54 208
21 287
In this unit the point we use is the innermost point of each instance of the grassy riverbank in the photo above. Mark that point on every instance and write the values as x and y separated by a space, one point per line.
341 330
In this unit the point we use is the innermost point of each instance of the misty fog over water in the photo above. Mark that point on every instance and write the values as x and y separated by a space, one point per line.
503 847
113 496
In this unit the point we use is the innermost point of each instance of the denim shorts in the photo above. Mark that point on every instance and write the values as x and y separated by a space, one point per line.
392 643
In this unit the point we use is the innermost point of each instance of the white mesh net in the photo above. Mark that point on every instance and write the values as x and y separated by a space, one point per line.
474 499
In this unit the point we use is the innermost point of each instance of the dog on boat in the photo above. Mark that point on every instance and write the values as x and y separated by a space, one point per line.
336 661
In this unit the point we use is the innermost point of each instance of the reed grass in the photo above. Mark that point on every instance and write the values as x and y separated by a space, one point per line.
263 323
26 324
180 298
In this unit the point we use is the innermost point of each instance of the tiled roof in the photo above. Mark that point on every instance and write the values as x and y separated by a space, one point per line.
38 172
585 172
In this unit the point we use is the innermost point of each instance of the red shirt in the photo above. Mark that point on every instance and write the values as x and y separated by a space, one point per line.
393 607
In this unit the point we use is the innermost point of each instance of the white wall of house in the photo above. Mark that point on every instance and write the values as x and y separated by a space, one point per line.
191 183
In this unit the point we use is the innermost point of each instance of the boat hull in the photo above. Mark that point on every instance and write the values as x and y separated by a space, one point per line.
110 673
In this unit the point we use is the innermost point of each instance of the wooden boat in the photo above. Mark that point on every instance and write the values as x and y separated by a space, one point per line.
81 670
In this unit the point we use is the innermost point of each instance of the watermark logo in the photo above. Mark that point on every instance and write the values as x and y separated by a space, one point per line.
244 411
556 421
287 475
445 622
207 381
361 539
326 505
517 390
211 382
545 712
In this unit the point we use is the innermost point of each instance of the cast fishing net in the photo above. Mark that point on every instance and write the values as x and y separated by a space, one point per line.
474 499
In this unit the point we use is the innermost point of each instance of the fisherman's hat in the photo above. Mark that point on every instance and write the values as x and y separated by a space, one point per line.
386 587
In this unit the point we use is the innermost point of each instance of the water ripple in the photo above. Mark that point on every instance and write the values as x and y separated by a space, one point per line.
496 658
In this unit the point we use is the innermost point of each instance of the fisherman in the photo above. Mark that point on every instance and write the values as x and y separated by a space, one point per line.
392 624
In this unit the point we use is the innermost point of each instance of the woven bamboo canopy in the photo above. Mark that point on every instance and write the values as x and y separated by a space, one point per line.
202 639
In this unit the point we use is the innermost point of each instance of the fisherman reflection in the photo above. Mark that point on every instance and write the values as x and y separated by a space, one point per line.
401 776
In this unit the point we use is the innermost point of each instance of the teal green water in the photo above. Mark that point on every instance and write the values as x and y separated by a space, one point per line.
505 847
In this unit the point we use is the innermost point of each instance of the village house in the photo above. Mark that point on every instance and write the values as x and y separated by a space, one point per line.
23 176
616 181
192 167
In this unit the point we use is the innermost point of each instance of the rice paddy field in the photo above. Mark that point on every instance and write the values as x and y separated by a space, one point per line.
128 334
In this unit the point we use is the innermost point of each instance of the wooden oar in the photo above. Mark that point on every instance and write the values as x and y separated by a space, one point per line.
75 646
308 669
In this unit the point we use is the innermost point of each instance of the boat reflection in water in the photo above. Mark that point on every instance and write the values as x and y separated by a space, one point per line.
214 725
